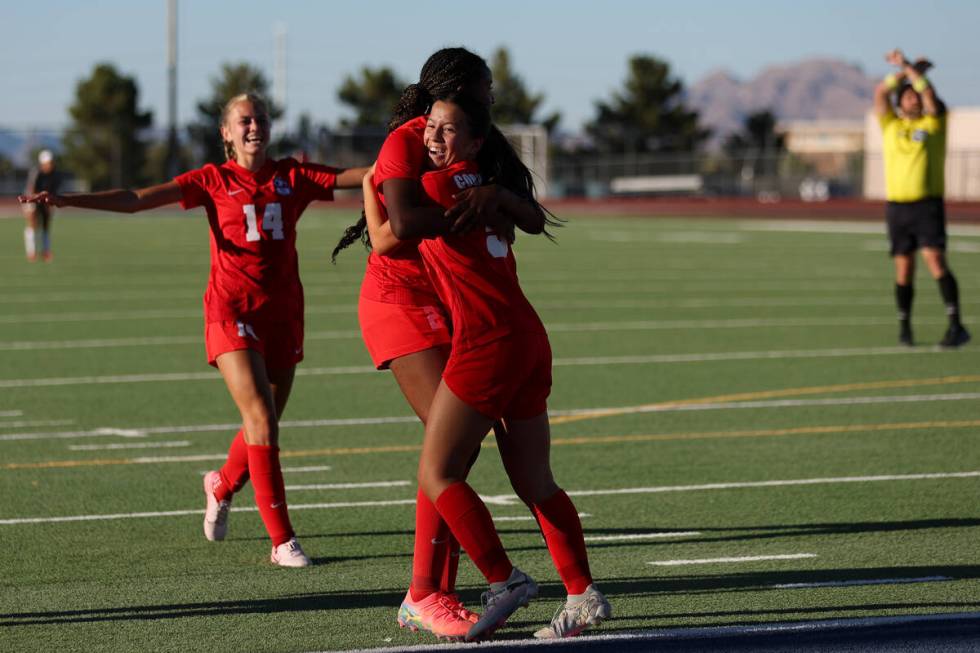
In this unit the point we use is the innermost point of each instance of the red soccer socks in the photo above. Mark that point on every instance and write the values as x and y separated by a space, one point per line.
562 529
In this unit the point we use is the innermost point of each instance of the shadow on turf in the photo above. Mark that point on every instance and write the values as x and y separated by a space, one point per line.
622 587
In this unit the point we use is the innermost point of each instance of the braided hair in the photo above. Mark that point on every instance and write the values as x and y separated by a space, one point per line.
446 71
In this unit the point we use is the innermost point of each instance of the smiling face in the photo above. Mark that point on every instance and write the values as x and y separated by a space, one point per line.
246 128
447 135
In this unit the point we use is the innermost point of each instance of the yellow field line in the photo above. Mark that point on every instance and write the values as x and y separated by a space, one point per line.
767 394
566 441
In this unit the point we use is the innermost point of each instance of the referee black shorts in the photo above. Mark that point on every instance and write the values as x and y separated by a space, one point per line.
913 225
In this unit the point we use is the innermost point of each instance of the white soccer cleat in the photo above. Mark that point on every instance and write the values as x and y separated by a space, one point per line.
290 554
572 618
498 606
215 512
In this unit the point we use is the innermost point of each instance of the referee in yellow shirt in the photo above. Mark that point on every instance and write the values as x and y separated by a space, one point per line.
914 147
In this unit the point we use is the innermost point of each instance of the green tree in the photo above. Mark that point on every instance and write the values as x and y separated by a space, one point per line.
234 79
513 104
102 145
372 96
756 148
758 133
648 114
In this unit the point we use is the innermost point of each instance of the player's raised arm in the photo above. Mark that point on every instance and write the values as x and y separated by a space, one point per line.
117 200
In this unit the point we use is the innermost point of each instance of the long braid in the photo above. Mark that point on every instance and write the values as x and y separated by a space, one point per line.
446 71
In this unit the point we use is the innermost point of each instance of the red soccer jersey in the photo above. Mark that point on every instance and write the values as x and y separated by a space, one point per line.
253 216
399 277
474 274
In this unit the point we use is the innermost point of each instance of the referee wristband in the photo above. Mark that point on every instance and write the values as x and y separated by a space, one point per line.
920 84
891 81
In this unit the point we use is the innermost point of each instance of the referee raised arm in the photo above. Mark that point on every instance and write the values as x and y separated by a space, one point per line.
913 126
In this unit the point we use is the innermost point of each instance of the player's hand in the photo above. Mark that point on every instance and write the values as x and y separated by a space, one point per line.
474 206
44 197
896 58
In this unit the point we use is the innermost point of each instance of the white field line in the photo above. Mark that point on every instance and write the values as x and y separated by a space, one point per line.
38 422
836 227
306 469
11 413
598 412
104 343
155 314
178 377
582 515
129 445
556 327
347 486
649 639
851 583
140 432
780 483
795 403
639 536
734 559
513 500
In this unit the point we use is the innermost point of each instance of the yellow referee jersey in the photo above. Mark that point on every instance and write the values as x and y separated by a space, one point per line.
915 156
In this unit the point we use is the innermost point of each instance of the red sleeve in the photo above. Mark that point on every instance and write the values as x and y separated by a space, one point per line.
195 187
441 185
320 180
402 154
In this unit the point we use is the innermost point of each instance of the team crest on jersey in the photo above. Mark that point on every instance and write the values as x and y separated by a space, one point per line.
468 179
919 135
282 186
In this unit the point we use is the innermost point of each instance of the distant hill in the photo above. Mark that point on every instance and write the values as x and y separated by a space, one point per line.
17 146
807 90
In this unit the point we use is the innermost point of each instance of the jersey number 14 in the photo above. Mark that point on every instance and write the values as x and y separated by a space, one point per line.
271 222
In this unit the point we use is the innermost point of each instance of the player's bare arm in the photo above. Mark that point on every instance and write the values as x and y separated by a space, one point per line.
383 241
351 177
408 217
118 200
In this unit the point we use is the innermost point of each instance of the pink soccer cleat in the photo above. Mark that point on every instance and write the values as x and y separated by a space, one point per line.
215 512
437 613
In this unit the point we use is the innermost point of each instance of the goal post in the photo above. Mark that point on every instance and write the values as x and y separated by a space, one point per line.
531 144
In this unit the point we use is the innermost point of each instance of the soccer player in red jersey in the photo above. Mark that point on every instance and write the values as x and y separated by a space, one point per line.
499 369
404 324
254 300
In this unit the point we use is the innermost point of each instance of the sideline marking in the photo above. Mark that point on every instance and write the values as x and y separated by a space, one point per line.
639 536
348 486
558 362
710 561
567 441
581 414
870 581
31 423
131 445
11 413
301 470
512 500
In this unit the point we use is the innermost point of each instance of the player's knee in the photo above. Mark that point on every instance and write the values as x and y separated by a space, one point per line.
261 430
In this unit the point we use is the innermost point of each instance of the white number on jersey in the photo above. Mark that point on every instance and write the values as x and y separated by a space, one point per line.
497 247
271 221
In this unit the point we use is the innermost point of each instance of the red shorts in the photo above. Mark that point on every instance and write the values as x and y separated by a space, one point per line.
279 343
394 330
510 377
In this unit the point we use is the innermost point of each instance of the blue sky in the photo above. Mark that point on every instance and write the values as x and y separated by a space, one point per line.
574 51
